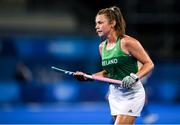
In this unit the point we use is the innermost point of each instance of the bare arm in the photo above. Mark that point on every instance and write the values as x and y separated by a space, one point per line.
103 72
136 50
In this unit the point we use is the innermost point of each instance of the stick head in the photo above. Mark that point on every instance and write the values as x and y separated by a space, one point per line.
68 72
62 70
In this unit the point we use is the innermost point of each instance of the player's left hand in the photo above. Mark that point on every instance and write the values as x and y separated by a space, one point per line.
129 81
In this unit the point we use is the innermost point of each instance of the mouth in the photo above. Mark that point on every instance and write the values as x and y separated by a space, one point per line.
99 31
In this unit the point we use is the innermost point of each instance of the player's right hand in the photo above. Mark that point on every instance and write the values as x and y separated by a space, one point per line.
79 76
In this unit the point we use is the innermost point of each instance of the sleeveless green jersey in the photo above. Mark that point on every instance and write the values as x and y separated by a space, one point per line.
117 63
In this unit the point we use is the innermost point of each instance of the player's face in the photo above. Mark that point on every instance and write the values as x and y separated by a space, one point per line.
103 27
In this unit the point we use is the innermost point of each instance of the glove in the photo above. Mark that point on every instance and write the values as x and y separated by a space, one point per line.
128 81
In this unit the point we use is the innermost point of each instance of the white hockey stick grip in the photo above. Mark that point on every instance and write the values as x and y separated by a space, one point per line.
88 76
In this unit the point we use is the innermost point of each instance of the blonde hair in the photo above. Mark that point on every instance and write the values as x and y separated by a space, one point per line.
114 14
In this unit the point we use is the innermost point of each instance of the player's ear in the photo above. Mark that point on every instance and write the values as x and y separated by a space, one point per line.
113 23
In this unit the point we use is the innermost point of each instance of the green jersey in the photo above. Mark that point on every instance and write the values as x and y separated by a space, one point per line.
117 63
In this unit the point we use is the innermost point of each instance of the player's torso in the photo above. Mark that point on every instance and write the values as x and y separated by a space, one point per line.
117 63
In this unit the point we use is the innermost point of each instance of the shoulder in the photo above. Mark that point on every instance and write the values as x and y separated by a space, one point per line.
128 40
101 45
129 44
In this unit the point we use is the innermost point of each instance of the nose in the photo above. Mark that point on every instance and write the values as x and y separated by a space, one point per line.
96 27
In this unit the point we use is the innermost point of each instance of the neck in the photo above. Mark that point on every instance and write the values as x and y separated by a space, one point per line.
112 38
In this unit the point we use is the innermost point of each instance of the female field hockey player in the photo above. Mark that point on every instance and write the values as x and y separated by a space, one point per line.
120 53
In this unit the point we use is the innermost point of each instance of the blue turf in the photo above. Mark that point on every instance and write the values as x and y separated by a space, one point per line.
91 113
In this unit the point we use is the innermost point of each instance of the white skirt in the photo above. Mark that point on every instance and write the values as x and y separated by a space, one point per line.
126 101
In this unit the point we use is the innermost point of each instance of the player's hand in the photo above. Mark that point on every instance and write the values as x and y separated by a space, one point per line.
80 76
129 81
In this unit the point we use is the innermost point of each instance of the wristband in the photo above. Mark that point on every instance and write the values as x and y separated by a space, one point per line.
134 76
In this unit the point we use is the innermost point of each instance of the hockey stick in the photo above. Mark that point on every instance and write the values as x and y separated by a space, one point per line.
114 81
